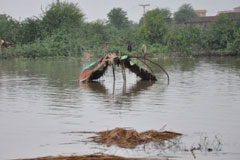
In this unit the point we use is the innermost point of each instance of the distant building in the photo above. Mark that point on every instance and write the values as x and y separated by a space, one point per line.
201 12
203 21
206 20
236 9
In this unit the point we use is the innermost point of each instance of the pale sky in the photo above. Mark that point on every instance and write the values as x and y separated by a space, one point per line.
98 9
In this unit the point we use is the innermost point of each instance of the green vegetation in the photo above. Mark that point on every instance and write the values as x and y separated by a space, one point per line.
154 28
63 31
118 18
184 13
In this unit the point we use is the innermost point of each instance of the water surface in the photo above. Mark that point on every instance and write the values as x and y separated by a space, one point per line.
41 101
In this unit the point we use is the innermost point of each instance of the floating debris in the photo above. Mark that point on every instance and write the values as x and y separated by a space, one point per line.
130 138
88 157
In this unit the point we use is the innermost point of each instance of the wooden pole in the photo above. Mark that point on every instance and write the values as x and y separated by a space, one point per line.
123 72
124 89
144 51
144 11
113 72
113 89
122 67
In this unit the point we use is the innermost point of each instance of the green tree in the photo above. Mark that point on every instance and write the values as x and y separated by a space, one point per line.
184 13
62 14
30 30
155 28
96 33
166 13
118 18
8 28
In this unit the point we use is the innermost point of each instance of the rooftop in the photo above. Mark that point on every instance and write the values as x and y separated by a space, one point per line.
200 11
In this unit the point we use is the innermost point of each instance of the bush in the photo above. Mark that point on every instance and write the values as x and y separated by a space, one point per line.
234 45
220 33
185 40
30 30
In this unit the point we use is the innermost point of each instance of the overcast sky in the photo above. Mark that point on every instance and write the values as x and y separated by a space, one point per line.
98 9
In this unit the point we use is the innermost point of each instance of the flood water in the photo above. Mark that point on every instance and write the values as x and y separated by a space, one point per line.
41 103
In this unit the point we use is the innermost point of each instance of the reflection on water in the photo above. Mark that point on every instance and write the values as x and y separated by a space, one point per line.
95 86
41 99
99 87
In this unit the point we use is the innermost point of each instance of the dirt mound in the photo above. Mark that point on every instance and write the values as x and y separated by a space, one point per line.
89 157
130 138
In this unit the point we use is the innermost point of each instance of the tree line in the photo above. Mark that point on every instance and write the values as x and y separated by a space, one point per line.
62 30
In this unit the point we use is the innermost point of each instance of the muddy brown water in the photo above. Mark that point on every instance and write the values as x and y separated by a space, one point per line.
43 107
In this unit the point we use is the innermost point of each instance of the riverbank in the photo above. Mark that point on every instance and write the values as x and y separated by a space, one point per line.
88 55
214 54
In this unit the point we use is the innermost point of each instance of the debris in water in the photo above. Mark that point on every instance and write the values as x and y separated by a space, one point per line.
130 138
88 157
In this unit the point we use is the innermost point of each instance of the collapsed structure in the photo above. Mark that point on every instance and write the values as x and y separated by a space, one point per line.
97 69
